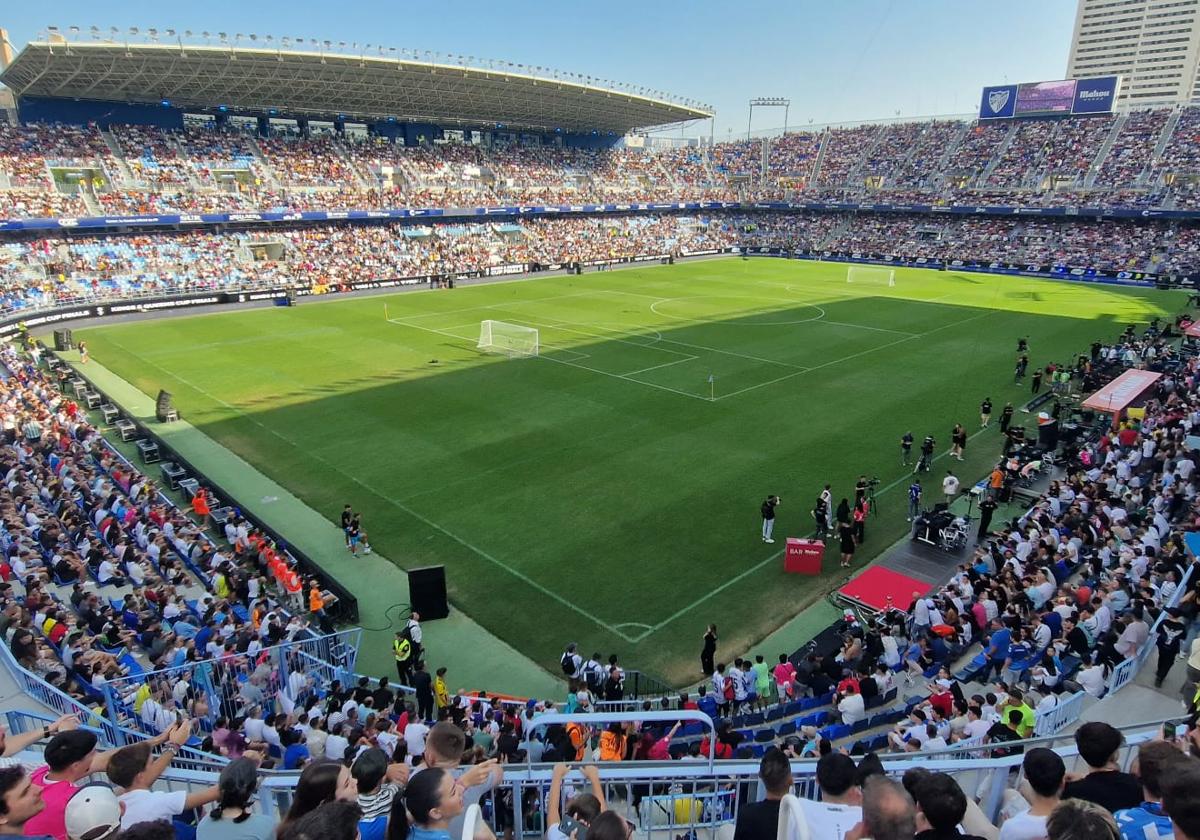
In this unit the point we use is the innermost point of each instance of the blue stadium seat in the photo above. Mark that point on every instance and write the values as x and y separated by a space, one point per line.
754 719
764 736
774 713
788 728
859 726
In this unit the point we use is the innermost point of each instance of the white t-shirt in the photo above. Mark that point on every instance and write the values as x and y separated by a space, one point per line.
829 821
151 806
1023 827
335 747
414 738
853 708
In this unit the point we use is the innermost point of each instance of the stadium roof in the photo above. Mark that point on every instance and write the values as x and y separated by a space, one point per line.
321 84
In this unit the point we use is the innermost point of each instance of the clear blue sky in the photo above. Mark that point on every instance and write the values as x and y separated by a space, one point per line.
838 60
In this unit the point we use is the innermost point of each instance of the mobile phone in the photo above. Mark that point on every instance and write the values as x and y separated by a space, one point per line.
567 825
1181 730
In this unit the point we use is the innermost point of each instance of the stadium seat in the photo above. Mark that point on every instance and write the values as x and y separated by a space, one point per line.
764 736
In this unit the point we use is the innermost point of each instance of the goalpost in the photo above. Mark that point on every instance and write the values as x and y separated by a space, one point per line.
509 339
871 275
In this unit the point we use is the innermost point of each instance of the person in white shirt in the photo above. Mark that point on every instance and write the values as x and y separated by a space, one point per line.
933 741
852 707
336 743
950 486
134 769
1045 774
252 726
976 724
1092 679
414 737
840 808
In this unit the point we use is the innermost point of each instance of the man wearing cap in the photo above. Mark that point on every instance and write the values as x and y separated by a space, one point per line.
70 757
133 769
94 813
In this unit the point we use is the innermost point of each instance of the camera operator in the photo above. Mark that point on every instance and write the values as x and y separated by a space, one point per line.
860 490
927 447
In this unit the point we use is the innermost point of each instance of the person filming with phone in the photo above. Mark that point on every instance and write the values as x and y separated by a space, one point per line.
582 808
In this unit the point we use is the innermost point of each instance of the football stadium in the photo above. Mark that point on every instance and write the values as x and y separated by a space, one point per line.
410 445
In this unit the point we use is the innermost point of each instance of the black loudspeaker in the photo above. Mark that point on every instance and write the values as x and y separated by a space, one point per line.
427 592
63 340
163 406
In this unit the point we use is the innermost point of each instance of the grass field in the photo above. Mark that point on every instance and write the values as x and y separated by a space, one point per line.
598 493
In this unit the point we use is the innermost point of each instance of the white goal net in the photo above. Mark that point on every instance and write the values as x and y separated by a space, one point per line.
509 339
870 275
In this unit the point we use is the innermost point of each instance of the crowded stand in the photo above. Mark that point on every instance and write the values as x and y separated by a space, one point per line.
843 150
1181 156
1033 163
974 152
1133 149
792 156
96 267
892 147
307 161
925 155
1076 145
1024 155
153 156
737 158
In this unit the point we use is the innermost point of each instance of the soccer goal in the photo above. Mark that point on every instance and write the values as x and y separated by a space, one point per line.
870 275
509 339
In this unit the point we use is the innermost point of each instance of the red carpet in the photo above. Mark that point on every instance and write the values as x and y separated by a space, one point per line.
872 588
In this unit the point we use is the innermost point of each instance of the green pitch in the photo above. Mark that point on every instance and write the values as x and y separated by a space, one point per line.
607 492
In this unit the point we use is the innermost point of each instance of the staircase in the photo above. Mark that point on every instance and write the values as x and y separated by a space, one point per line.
340 151
997 155
835 234
1102 155
191 173
90 202
260 159
855 173
949 151
123 171
816 170
1161 146
712 174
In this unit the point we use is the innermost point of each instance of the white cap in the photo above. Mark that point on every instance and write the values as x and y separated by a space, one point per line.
93 813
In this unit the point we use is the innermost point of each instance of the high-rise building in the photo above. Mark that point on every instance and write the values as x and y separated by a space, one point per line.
1153 44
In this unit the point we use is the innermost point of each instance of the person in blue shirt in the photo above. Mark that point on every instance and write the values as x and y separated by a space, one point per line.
1155 760
295 751
997 647
914 499
706 703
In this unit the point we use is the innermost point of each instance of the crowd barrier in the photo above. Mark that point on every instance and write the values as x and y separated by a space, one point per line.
293 672
673 798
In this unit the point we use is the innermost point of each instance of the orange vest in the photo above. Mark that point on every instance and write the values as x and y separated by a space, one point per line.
315 602
291 582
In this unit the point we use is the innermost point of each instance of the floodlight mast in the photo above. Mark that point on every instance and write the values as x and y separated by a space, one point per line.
769 102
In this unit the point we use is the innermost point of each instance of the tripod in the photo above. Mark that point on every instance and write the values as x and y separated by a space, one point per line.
871 503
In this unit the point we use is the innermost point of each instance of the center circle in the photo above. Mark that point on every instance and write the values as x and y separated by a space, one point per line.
733 311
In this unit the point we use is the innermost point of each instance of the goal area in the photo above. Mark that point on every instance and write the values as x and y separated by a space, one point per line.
509 339
871 275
